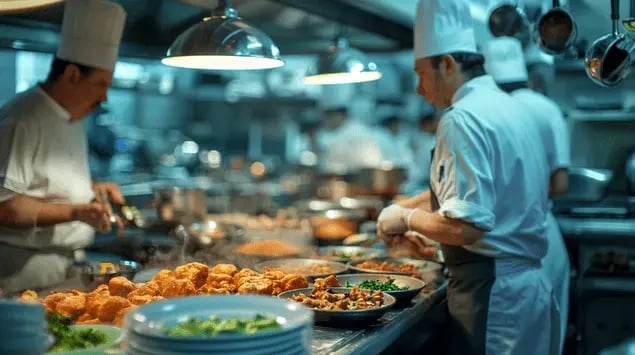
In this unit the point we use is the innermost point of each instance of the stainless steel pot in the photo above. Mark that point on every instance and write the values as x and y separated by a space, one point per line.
385 182
587 184
510 20
556 30
177 205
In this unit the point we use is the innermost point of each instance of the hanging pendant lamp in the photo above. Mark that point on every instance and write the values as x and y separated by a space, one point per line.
223 42
342 65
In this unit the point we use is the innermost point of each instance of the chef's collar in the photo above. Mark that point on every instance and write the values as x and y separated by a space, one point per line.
56 108
480 82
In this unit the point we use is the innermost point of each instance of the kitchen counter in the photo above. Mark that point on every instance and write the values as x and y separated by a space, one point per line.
598 228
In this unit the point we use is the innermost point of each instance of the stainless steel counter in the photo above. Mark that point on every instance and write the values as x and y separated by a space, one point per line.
592 228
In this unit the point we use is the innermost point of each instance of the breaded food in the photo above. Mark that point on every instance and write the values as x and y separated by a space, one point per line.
210 290
29 296
150 288
178 287
243 273
120 316
227 269
71 305
274 275
51 301
86 318
324 283
257 285
272 247
121 286
108 310
294 281
195 272
163 277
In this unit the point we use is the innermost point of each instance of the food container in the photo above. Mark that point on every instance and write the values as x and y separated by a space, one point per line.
587 184
95 274
384 182
372 205
333 226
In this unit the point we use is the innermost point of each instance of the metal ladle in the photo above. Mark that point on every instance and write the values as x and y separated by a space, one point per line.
510 20
556 30
607 61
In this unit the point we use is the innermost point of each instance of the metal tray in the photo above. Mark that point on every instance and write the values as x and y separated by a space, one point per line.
414 285
423 266
297 265
350 253
344 318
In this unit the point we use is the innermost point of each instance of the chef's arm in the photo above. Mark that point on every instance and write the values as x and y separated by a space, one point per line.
24 211
421 201
443 229
559 182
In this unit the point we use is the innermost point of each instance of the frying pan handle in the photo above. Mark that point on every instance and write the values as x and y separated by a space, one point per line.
615 14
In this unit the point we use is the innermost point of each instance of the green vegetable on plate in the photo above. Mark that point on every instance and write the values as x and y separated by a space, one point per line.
67 338
214 326
376 285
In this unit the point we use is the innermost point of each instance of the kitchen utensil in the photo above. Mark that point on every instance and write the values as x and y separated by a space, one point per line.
95 274
413 286
384 181
204 234
344 254
344 318
587 184
607 61
177 205
371 204
312 268
510 20
556 30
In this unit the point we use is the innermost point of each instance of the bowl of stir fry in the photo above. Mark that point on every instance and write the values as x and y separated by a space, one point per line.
402 288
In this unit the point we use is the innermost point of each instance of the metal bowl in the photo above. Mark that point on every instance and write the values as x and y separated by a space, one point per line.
344 254
425 267
344 318
414 285
302 266
95 274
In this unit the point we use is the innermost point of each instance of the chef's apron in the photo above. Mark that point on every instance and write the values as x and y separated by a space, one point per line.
487 313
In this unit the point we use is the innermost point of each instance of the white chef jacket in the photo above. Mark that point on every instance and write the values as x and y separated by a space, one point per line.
351 146
43 154
488 170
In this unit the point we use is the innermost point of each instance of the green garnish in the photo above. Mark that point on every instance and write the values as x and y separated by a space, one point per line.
67 338
214 326
376 285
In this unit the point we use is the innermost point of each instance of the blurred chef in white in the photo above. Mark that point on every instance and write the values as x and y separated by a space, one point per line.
423 143
487 201
347 144
48 210
504 60
395 142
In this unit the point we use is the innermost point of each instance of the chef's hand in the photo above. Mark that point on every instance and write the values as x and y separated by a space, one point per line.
110 190
94 214
412 244
393 220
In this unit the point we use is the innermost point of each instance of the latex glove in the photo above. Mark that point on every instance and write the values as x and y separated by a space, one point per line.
393 220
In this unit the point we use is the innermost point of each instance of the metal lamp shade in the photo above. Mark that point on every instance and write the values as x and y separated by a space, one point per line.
223 43
342 65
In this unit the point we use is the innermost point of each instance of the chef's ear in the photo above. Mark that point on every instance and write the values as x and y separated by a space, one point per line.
448 66
72 73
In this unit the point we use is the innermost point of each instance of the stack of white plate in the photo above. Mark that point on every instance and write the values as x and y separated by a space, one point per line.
22 328
145 326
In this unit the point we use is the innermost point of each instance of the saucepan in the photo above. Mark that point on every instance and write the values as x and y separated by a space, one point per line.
510 20
607 61
556 30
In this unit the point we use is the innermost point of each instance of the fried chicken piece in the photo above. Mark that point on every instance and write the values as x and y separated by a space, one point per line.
71 305
108 310
88 320
244 273
294 281
51 301
163 278
330 281
29 296
221 281
177 288
150 288
227 269
121 286
120 316
274 275
210 290
195 272
256 285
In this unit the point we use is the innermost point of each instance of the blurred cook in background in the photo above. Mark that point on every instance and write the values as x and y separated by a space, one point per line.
395 142
422 144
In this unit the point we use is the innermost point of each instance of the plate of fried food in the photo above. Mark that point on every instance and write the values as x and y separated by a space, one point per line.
403 288
341 305
311 268
344 254
272 248
397 266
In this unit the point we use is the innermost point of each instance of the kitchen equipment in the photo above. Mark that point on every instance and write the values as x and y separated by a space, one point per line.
384 181
371 204
333 226
413 286
316 205
629 171
361 239
176 205
311 268
344 254
556 30
510 20
204 234
587 184
607 61
95 274
344 318
429 270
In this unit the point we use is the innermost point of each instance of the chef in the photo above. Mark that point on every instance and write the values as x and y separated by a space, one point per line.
49 207
394 142
504 60
488 196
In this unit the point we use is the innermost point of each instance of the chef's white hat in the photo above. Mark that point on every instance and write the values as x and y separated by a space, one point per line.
91 32
504 60
442 27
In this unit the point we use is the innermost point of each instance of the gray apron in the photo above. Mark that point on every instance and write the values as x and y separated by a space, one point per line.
470 281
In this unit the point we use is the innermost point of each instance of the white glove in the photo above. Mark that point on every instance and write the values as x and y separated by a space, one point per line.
426 241
394 220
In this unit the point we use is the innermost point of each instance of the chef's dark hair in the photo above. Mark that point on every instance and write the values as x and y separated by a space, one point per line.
471 63
59 65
